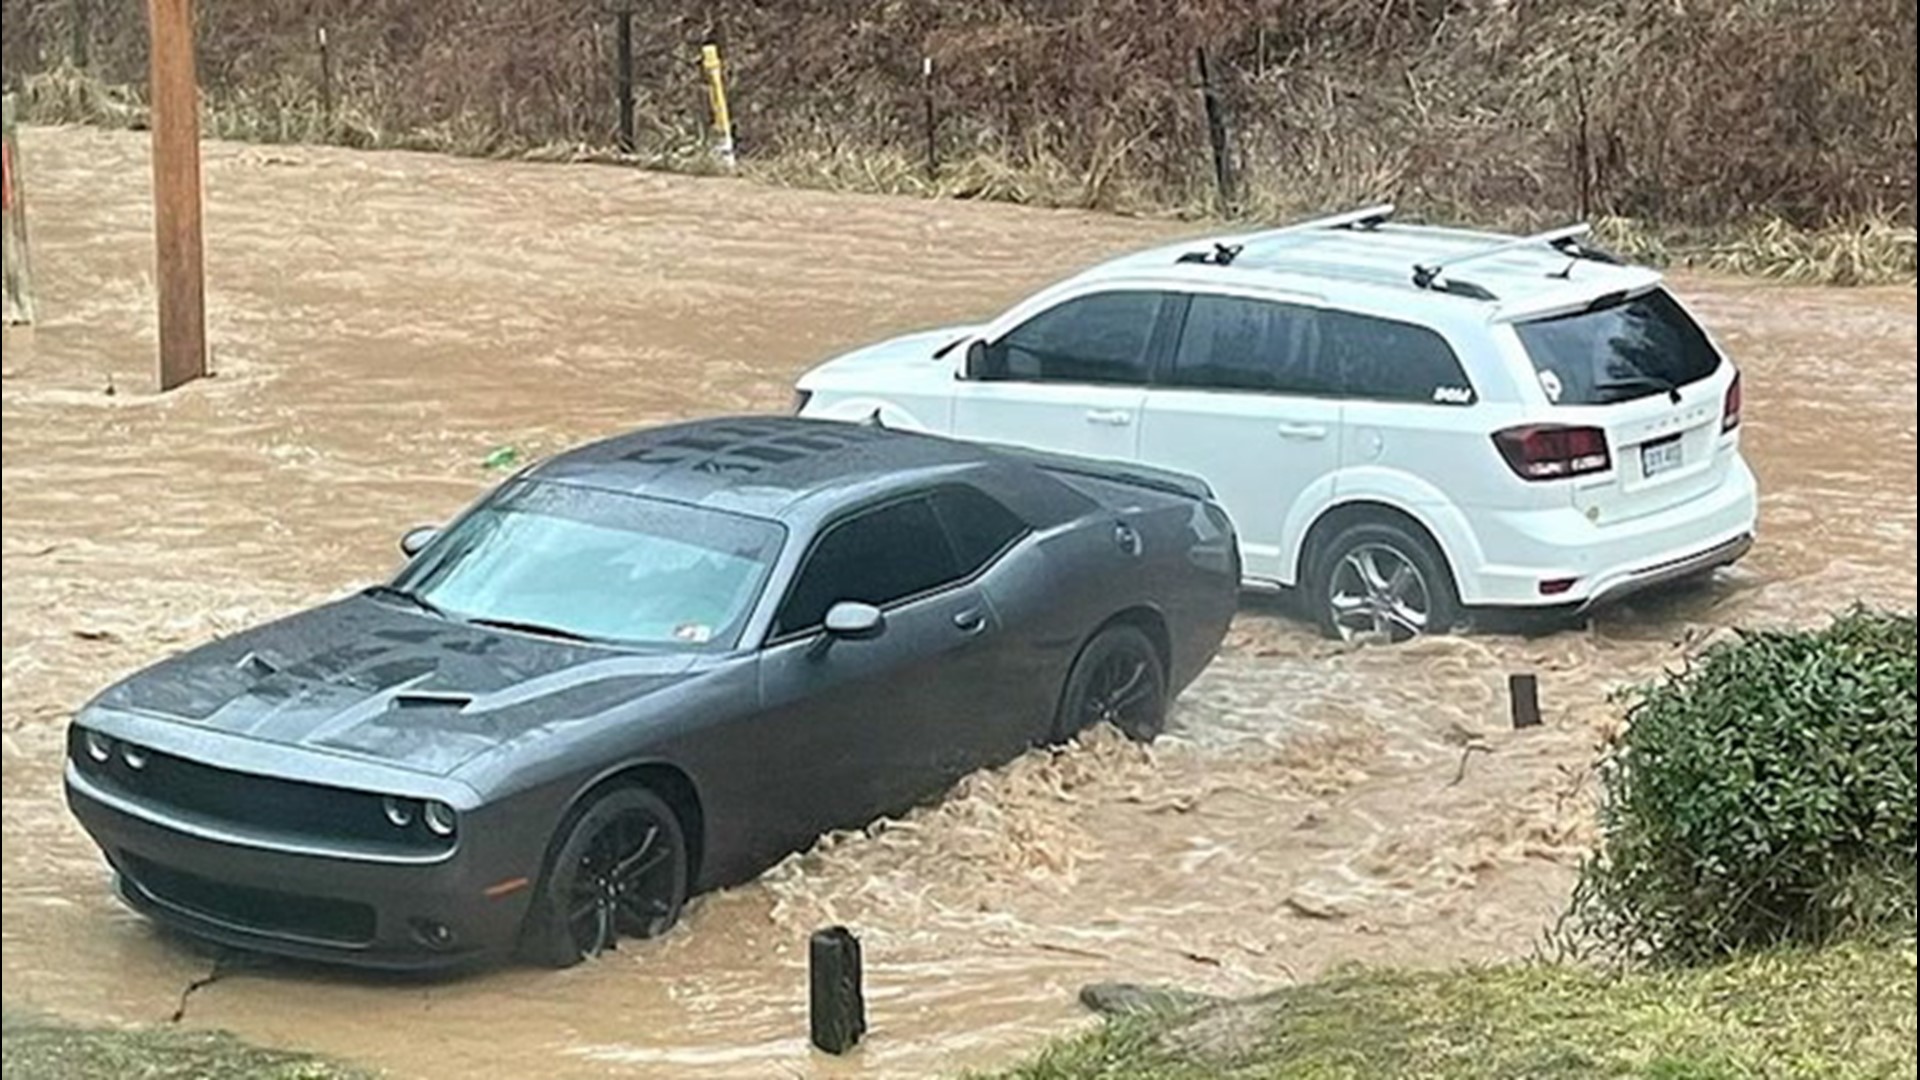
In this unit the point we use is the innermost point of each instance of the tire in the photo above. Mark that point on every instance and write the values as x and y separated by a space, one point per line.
583 908
1381 581
1120 679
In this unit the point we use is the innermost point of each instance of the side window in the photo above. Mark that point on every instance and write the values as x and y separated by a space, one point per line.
981 528
878 557
1231 343
1101 338
1383 360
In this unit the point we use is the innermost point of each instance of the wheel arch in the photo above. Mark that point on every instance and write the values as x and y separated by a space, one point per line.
665 779
1395 496
1338 518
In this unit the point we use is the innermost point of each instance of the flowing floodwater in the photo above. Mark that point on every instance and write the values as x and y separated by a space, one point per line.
382 322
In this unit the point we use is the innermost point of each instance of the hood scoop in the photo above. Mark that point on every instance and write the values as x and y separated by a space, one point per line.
431 699
256 666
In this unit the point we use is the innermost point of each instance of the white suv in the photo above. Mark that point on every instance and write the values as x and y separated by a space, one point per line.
1406 422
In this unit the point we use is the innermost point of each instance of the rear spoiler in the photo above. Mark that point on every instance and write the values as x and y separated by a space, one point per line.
1149 477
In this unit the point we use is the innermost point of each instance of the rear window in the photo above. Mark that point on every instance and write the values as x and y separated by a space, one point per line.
1644 346
1383 360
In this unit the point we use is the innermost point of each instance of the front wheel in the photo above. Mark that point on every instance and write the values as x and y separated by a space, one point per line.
621 869
1379 581
1118 679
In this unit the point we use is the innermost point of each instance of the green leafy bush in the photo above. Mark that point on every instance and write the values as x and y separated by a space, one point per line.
1764 795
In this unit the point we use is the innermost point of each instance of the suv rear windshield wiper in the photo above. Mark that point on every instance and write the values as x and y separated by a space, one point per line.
1642 381
540 629
410 598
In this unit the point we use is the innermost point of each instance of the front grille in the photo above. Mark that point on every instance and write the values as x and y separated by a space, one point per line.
290 808
264 911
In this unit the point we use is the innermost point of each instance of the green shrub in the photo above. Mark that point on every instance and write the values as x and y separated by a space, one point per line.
1764 795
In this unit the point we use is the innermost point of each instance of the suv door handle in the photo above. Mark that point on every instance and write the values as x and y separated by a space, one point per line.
1303 431
970 621
1109 417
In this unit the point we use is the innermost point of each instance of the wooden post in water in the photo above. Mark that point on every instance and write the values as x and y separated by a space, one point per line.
1524 692
178 270
17 268
1217 134
837 1007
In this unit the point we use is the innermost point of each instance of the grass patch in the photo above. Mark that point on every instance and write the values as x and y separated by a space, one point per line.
38 1049
1845 1012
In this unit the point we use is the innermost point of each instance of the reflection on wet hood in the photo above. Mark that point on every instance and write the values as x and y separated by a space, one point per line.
406 689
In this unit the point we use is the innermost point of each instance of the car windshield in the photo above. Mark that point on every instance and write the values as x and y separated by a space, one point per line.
1636 348
576 562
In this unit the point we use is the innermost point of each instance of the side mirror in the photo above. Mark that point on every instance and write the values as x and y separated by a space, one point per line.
850 620
416 539
974 364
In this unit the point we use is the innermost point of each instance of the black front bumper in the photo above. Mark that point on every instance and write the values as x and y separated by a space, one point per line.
305 903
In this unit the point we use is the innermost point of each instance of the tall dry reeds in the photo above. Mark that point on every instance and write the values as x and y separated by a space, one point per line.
1675 114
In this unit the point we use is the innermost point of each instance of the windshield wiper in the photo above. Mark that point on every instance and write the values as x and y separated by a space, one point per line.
540 629
413 599
1640 382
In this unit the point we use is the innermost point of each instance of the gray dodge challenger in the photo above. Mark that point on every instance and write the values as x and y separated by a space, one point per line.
644 668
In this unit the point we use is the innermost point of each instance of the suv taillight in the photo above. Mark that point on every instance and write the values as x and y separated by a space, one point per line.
1554 451
1736 400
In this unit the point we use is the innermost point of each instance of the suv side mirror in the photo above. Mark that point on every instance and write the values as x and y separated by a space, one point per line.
416 539
974 365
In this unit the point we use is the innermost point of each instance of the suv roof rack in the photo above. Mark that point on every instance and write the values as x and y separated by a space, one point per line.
1567 240
1224 252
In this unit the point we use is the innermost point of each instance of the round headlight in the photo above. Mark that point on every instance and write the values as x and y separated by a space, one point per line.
99 747
135 757
439 817
399 811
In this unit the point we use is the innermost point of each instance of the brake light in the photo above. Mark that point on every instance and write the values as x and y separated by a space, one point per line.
1736 401
1554 451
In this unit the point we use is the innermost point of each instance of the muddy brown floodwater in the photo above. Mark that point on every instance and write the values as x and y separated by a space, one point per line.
382 321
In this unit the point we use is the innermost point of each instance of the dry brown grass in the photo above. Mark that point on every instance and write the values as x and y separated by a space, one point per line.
1751 135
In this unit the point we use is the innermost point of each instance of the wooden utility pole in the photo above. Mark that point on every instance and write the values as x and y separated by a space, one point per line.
178 271
18 264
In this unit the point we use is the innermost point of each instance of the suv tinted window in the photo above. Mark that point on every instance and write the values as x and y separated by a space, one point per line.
981 528
1383 360
1101 338
1647 345
878 557
1231 343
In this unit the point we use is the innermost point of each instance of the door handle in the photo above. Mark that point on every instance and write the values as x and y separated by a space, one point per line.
1109 417
1303 431
970 621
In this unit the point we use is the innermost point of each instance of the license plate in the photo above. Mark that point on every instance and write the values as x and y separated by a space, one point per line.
1662 457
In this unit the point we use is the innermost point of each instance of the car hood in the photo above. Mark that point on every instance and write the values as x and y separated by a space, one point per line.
912 354
362 679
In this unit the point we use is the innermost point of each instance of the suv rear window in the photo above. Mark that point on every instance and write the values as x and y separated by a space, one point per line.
1643 346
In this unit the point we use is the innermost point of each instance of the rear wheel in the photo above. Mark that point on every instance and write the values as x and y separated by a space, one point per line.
1118 679
621 870
1379 581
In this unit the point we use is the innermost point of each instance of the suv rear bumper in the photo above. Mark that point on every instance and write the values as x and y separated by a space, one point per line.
1653 577
1521 550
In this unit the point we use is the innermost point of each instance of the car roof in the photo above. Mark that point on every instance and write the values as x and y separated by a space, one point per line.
766 466
1373 262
